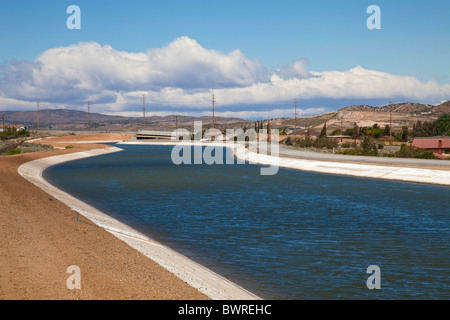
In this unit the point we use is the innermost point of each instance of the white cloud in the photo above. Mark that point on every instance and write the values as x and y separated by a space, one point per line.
87 69
182 74
296 69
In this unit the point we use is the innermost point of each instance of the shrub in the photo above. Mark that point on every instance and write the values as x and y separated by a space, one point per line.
413 152
347 145
425 155
320 143
35 147
13 152
307 142
369 147
352 152
287 141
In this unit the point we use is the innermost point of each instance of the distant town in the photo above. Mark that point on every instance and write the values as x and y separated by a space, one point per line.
406 130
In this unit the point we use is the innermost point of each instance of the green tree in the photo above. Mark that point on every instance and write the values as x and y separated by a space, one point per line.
417 129
323 133
375 131
355 134
336 132
369 147
404 134
443 124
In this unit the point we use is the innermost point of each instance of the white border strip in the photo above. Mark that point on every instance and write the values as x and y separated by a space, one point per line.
208 282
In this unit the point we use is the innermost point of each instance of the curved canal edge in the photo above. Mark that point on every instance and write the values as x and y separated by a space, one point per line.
208 282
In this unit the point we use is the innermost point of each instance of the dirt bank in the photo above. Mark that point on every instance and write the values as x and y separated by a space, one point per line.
40 238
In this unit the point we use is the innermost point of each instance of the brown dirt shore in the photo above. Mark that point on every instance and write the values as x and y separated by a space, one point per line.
40 238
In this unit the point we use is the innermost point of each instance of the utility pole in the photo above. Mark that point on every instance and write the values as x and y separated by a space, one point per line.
176 124
213 119
295 117
342 133
89 115
390 122
37 114
143 107
3 132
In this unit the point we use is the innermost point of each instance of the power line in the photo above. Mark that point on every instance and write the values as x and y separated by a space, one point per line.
143 107
295 117
390 122
37 101
213 101
89 115
3 132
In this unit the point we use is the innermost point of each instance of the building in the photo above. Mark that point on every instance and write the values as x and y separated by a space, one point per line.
438 145
303 132
14 127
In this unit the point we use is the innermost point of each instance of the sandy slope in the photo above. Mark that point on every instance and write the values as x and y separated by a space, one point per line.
40 239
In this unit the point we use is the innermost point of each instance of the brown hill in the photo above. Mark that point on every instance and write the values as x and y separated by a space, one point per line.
403 114
64 119
402 108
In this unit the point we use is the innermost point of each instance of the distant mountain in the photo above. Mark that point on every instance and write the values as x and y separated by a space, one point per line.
403 114
52 117
64 119
402 108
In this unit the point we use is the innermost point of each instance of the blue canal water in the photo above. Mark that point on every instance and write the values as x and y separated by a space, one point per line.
295 235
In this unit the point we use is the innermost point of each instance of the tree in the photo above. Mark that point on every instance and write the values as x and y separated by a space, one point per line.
426 129
417 129
323 133
387 130
404 134
355 134
443 124
369 147
336 132
375 131
430 128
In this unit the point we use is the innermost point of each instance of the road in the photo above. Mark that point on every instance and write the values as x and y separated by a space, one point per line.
420 163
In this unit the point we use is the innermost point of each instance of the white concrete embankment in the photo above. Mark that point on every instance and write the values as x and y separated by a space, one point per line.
431 176
210 283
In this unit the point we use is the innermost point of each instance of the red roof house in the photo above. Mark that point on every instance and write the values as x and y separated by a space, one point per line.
438 145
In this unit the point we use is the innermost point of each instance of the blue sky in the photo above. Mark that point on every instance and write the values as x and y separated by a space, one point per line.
410 51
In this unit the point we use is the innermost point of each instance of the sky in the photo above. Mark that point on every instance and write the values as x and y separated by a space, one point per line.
256 57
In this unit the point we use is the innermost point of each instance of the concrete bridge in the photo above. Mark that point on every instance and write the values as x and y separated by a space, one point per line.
151 134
